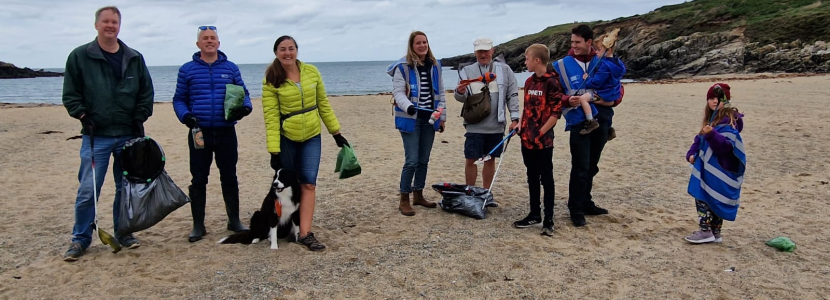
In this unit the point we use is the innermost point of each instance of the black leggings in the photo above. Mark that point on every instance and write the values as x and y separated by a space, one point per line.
708 219
539 163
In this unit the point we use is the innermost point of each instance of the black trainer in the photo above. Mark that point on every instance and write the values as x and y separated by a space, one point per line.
311 242
527 222
547 228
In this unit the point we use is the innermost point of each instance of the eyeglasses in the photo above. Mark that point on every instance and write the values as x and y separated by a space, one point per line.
207 27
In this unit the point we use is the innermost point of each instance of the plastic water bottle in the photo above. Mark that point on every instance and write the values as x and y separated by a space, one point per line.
198 138
436 115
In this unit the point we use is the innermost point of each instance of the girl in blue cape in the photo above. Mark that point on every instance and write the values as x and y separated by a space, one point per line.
719 161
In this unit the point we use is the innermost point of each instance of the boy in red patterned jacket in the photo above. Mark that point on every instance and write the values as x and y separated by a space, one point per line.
542 108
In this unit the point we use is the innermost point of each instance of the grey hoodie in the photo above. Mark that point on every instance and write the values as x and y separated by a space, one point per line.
506 95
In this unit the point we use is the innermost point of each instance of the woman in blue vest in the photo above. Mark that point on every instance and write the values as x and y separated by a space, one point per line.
419 93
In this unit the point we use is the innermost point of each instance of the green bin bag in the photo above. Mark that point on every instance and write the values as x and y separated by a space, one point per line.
347 163
782 243
234 102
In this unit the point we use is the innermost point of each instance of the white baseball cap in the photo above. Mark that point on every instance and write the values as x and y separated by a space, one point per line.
482 44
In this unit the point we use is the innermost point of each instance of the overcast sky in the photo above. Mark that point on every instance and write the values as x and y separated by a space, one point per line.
41 33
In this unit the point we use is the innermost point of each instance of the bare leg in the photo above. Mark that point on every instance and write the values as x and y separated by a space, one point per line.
488 171
586 107
470 172
307 207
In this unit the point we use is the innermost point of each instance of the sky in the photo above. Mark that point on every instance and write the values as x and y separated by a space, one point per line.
41 33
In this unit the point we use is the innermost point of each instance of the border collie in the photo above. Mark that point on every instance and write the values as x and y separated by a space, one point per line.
279 216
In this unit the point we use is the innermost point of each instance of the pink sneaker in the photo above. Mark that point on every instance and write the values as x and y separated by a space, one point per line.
718 239
701 237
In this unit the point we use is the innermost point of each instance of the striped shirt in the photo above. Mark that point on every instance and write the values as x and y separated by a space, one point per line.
425 97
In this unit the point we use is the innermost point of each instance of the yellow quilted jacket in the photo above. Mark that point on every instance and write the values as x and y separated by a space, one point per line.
288 98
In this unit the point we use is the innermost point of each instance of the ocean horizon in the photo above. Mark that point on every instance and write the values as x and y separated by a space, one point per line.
341 79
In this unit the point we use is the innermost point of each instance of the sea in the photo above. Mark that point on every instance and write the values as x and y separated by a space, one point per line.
341 79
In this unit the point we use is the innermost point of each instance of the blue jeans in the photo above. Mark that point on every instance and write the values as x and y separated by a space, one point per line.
84 207
302 157
417 146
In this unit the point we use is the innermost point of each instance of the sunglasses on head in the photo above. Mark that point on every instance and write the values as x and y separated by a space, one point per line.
207 27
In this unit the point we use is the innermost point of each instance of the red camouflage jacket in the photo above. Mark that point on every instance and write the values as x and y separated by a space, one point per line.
543 99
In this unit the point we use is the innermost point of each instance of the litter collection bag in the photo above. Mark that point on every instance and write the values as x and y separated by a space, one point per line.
782 243
148 194
145 204
347 163
234 102
466 200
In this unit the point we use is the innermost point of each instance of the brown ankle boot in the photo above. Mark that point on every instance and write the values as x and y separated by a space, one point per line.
405 208
419 200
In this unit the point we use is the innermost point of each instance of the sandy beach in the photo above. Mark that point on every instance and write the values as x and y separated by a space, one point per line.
635 252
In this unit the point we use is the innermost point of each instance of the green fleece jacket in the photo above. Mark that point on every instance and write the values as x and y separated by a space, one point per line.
90 87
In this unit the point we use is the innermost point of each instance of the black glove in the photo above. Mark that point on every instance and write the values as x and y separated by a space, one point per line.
276 162
245 112
340 140
191 121
86 122
411 110
138 128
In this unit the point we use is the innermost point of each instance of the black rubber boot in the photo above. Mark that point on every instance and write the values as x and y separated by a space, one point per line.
231 196
197 209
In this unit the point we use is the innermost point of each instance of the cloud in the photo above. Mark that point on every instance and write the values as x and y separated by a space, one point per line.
328 30
252 41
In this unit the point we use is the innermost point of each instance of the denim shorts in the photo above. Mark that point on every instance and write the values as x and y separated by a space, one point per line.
301 157
479 144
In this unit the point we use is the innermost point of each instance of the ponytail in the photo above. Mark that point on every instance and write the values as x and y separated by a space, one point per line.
275 74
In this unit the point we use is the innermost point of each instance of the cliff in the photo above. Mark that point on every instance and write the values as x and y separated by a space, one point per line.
702 37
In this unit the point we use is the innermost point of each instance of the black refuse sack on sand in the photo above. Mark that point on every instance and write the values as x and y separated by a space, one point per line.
466 200
148 194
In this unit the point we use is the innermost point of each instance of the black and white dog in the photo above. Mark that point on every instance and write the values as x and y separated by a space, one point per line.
279 216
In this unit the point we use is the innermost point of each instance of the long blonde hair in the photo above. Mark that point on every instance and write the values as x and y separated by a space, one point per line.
411 58
726 111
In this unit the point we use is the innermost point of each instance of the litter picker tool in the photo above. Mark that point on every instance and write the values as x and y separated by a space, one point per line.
487 157
501 158
105 237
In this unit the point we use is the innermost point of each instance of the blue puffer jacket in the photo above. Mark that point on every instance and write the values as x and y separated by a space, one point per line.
200 90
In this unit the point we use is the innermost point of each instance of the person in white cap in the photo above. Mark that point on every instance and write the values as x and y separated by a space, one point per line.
483 136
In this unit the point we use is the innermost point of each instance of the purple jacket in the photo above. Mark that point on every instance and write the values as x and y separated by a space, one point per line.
720 145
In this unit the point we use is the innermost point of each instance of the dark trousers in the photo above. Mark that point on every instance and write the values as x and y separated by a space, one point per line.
539 163
585 154
222 142
708 219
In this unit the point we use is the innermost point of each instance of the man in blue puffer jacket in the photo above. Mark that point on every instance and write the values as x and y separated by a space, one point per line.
199 103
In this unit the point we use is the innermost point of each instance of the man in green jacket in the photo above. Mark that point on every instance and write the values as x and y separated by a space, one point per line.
108 88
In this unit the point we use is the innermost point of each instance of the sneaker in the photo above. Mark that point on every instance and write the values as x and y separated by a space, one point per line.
527 222
590 125
547 228
311 242
129 241
718 239
700 237
595 211
75 251
611 134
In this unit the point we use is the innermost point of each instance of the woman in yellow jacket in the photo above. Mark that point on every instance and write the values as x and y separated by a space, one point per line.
293 101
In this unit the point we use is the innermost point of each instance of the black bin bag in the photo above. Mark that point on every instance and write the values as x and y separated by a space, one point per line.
148 194
466 200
